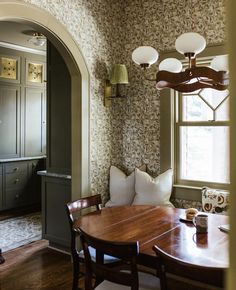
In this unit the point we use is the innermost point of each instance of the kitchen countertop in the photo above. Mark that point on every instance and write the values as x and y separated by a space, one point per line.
22 159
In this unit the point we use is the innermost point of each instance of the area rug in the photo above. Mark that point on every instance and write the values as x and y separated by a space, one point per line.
19 231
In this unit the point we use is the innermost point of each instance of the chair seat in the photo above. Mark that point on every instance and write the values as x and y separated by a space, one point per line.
146 282
107 259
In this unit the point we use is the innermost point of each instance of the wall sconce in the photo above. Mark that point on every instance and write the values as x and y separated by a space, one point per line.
119 76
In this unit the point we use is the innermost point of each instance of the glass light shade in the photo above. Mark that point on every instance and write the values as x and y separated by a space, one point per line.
38 39
119 74
190 42
171 65
145 55
220 63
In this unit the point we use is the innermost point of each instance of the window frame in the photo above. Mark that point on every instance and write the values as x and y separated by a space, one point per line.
178 123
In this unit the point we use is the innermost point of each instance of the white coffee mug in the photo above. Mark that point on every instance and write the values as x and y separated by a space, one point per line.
201 223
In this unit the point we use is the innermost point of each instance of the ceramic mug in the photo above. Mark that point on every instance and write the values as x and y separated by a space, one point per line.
201 223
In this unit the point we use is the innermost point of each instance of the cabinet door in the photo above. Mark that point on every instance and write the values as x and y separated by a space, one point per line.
16 184
9 122
35 122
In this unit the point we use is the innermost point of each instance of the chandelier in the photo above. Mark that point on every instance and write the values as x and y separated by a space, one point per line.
171 73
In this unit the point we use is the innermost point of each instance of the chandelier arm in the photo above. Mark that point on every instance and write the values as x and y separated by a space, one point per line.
147 78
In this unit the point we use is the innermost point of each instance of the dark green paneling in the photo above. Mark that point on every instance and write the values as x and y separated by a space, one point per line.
56 193
58 113
1 186
35 180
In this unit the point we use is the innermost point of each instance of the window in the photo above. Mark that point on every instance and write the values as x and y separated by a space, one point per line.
202 137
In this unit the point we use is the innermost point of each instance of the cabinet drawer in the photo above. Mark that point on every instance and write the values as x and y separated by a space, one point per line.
16 180
16 167
15 198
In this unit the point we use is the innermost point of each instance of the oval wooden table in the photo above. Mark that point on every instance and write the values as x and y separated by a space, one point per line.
161 226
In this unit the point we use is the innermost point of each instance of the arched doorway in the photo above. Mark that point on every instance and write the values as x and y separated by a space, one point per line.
68 48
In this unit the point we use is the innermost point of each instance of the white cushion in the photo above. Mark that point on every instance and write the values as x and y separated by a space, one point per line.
146 282
121 187
153 191
92 251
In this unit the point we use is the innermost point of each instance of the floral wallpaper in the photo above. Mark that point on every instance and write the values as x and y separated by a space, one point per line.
136 121
128 133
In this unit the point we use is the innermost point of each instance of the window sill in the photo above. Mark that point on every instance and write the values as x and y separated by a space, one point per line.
187 186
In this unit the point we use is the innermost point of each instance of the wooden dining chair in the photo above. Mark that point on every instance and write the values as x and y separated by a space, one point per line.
2 260
74 210
112 278
193 274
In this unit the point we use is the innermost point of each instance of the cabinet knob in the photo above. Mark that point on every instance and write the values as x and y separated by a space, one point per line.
17 196
17 180
16 169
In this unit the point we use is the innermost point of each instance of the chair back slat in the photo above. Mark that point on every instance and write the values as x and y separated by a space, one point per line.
82 203
169 264
78 205
125 251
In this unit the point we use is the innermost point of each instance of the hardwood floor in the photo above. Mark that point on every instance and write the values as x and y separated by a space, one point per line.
34 267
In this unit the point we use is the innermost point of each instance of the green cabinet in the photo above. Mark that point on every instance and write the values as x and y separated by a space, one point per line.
9 121
35 122
15 180
23 107
20 183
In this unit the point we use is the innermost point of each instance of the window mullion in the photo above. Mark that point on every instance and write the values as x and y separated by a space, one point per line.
203 123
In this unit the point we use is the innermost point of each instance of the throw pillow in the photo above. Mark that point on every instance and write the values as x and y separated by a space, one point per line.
215 201
153 191
121 187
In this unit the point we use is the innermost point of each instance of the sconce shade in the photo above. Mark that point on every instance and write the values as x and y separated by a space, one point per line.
171 64
190 42
145 55
220 63
119 74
